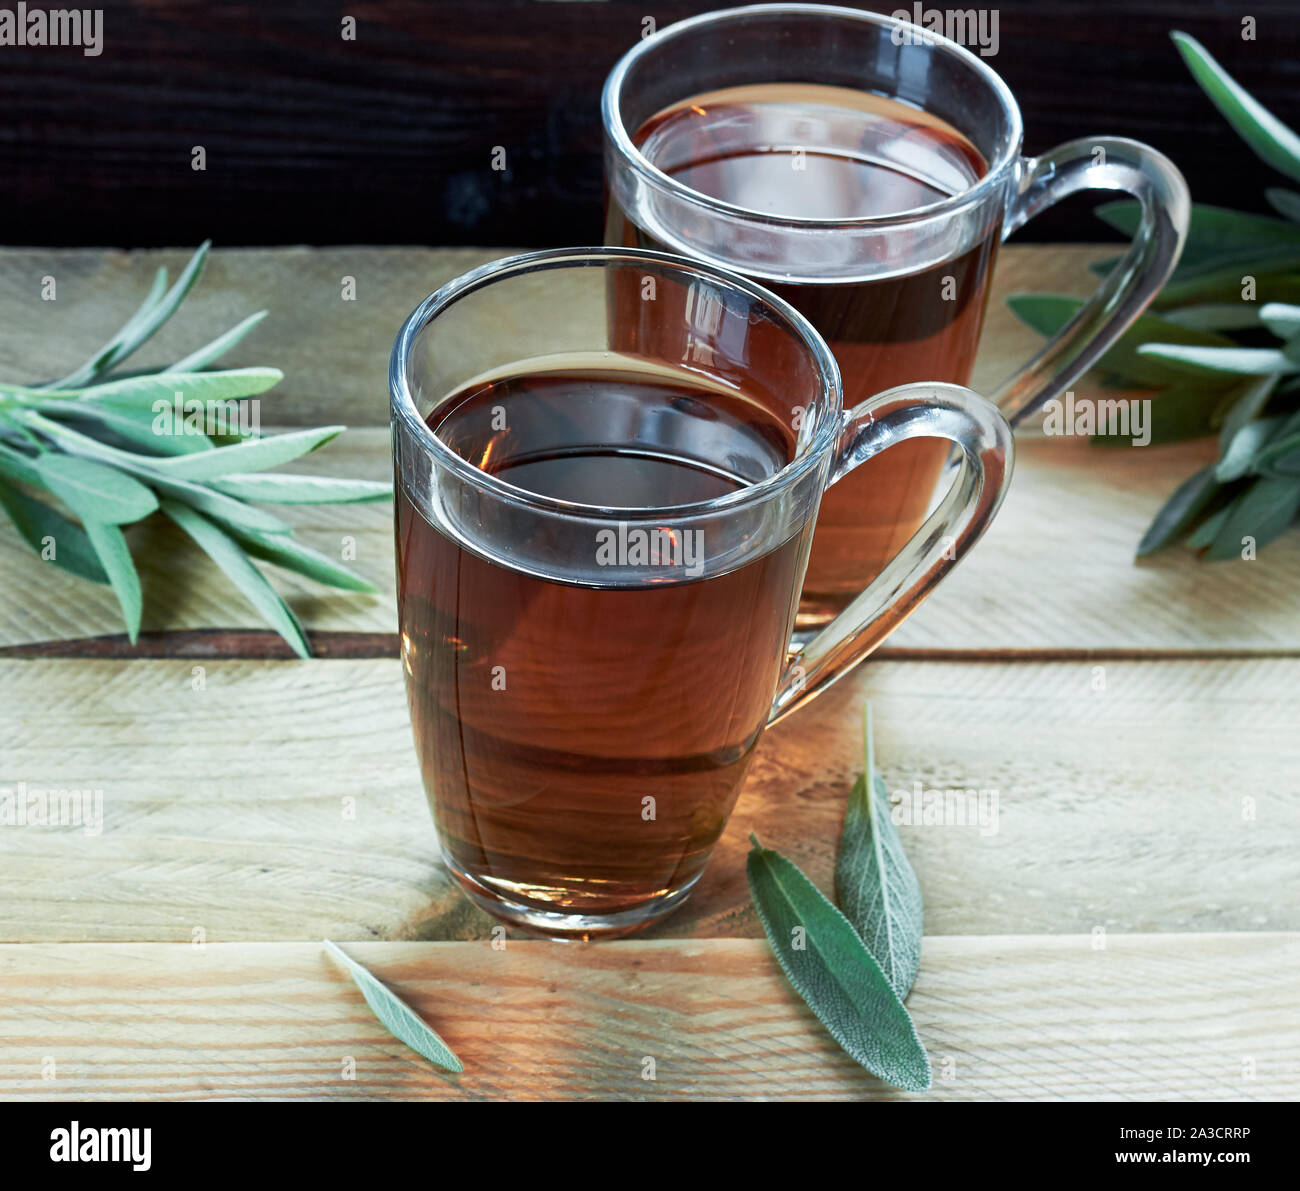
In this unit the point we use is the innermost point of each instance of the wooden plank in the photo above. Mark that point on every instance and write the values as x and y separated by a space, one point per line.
334 353
282 799
390 135
1054 573
1179 1017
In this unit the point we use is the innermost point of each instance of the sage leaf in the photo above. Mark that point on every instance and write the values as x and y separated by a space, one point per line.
396 1016
1274 274
1281 318
18 466
227 554
155 311
219 507
1208 530
255 455
1247 361
1254 396
1048 313
1271 140
95 491
230 385
286 489
1239 457
284 551
1215 316
1215 233
91 368
1189 501
874 883
1174 415
42 526
834 973
135 426
1284 202
115 557
218 347
1263 512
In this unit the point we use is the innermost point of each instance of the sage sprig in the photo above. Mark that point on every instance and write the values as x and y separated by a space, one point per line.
853 968
100 443
395 1015
1219 352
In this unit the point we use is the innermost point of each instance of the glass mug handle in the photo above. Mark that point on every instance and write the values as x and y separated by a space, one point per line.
1097 163
984 456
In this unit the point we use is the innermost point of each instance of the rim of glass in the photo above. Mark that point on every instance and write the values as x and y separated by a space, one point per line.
637 161
404 407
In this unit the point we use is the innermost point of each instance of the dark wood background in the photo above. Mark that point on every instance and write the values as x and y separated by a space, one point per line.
388 139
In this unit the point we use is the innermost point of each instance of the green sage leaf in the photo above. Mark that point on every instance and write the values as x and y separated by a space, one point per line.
1254 395
1244 361
834 973
18 466
1284 202
226 552
230 385
255 455
1215 316
1215 233
1239 457
395 1015
94 490
218 347
1208 530
133 425
41 525
874 883
155 311
285 489
1181 511
115 557
284 551
1271 140
1282 318
1048 313
1263 512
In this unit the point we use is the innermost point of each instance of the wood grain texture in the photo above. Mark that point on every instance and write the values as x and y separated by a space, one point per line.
389 137
334 353
282 800
1178 1017
1055 572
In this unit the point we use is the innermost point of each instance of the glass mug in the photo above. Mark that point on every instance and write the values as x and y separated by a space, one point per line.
599 555
866 171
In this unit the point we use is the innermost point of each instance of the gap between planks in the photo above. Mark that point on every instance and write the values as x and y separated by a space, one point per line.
266 645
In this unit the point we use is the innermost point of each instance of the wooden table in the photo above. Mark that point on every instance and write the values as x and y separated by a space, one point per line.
1131 930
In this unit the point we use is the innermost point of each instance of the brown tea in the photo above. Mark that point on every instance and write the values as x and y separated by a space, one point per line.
807 151
582 743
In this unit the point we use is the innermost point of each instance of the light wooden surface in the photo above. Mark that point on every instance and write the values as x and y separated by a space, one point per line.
224 807
1130 929
1072 1017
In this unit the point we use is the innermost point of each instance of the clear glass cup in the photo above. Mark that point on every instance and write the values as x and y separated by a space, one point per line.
584 710
872 282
